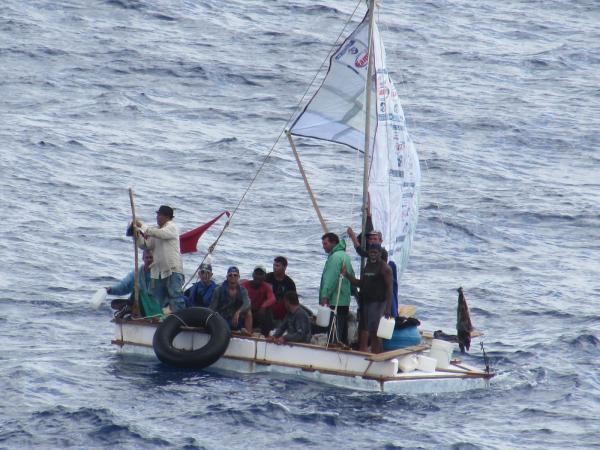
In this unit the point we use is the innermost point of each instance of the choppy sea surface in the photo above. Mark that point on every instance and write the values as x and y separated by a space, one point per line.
183 100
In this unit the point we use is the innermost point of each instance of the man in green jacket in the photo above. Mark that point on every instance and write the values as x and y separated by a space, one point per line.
328 291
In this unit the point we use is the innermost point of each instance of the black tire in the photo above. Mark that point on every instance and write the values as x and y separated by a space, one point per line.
193 317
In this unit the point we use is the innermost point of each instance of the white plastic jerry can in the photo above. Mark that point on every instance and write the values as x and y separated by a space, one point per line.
386 328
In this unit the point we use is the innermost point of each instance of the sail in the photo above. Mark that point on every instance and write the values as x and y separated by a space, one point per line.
395 175
336 113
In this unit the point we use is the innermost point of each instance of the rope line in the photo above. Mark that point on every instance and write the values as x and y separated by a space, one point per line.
289 120
180 319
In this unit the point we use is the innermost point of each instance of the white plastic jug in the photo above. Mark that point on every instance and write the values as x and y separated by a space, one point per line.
323 315
442 352
441 357
386 328
408 363
426 364
98 298
443 345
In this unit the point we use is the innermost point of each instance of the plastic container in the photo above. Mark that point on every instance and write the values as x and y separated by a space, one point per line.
408 363
441 357
98 298
386 328
442 352
426 364
443 345
405 337
323 316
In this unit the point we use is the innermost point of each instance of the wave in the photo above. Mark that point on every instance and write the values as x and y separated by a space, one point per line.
86 427
460 227
135 5
585 343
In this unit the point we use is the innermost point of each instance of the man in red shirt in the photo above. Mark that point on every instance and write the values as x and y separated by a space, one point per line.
262 299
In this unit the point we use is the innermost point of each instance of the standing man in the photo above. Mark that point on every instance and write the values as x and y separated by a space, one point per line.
231 301
373 237
281 284
375 297
201 292
328 290
261 299
167 270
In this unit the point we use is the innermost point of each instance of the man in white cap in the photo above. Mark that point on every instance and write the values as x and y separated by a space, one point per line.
201 292
166 271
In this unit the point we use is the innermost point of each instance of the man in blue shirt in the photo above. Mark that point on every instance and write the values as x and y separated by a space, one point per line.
126 285
201 292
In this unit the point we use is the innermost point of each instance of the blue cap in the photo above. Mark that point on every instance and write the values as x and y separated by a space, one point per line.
233 269
205 267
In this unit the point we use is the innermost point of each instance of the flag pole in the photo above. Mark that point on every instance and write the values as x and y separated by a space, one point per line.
136 274
210 250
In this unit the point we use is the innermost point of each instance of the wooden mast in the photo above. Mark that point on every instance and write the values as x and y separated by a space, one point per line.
368 85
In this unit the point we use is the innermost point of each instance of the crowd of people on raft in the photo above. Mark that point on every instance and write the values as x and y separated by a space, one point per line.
268 301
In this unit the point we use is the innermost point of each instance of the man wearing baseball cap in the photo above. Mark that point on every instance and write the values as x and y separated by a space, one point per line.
201 292
231 301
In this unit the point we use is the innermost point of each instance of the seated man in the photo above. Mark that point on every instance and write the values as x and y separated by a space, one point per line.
262 299
231 301
296 322
281 283
201 292
148 306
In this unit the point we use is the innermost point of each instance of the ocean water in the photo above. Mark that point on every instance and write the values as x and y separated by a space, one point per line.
184 100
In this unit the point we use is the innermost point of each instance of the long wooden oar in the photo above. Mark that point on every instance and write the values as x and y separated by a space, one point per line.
136 274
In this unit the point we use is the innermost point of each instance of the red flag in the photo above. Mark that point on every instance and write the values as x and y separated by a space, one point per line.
189 239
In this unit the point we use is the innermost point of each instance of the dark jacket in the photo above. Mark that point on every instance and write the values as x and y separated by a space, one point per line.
297 325
200 294
227 306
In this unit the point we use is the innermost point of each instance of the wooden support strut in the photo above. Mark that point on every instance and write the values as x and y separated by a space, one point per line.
400 352
308 188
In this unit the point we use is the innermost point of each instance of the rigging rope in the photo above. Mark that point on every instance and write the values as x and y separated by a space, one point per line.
264 161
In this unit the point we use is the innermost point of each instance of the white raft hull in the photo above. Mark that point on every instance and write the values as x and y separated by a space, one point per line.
342 368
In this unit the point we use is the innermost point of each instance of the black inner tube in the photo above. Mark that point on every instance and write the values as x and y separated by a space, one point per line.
166 332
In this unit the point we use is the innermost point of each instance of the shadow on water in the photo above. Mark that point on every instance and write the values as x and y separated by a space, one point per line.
148 372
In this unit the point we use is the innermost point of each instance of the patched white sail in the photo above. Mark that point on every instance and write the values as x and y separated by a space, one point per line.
337 113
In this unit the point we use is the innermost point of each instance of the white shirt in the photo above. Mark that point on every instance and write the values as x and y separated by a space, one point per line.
164 243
